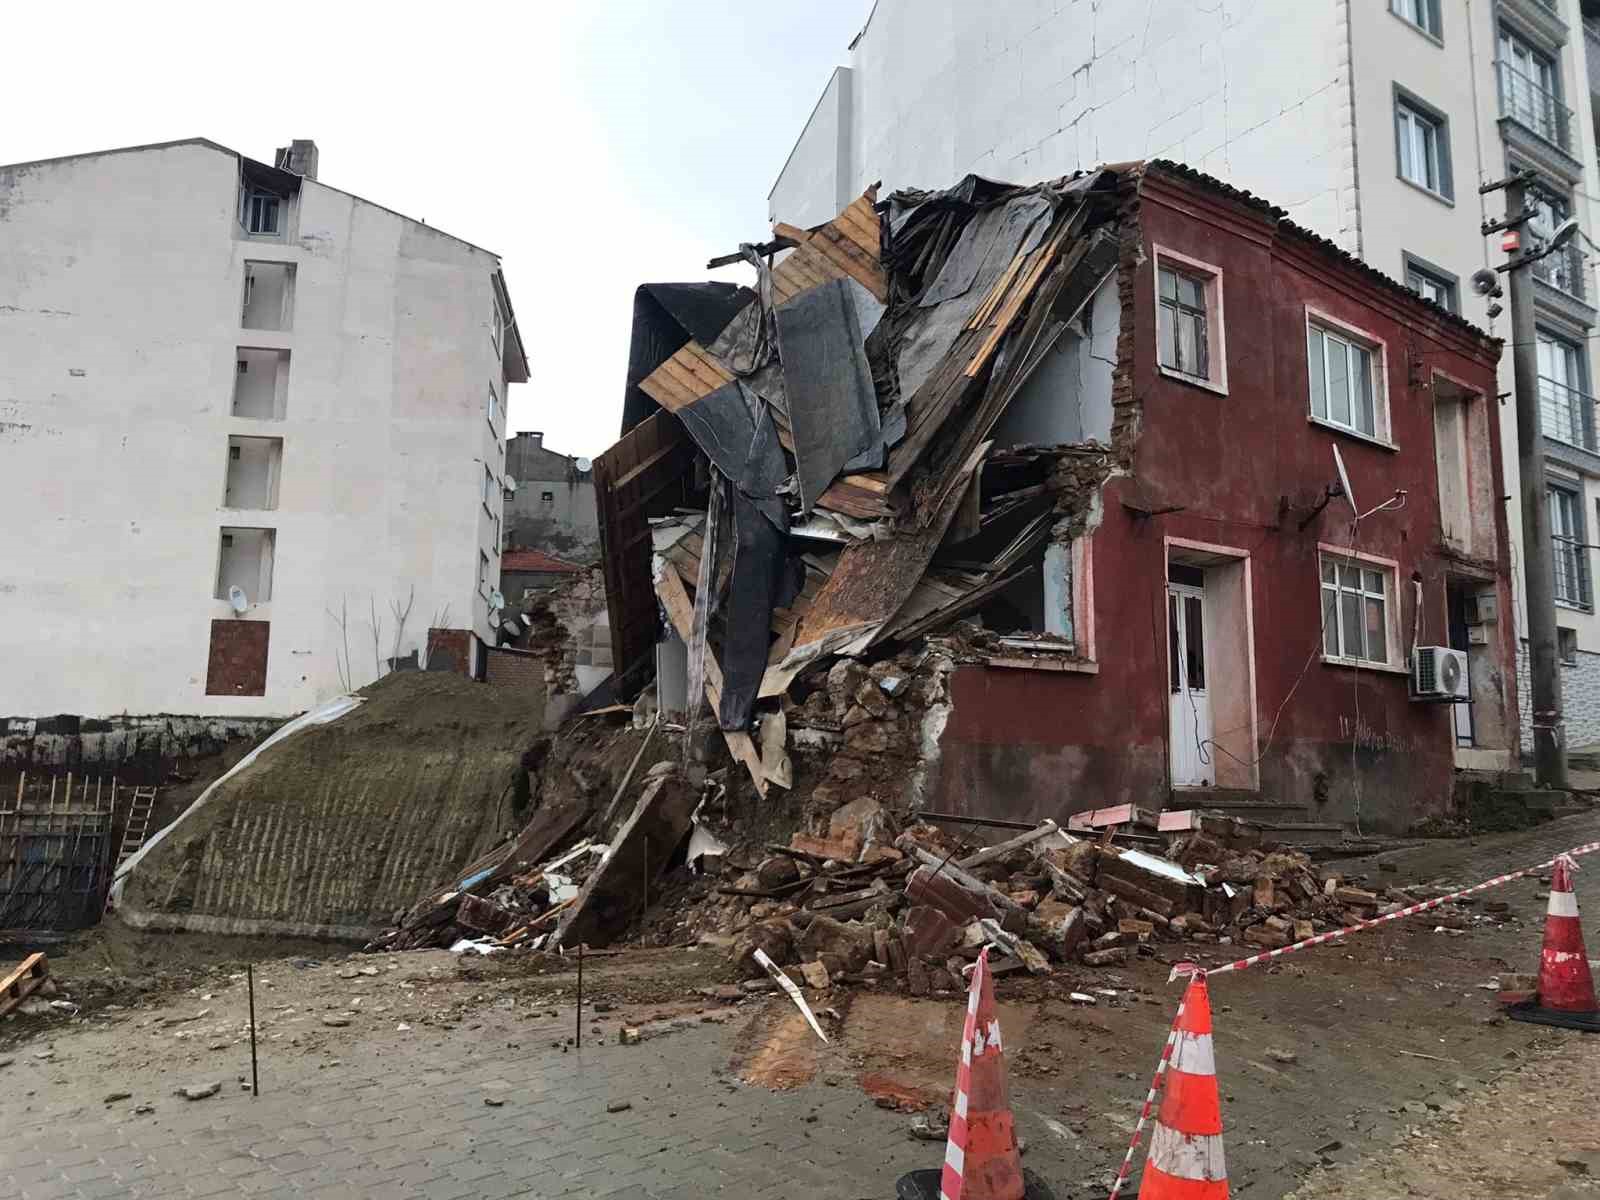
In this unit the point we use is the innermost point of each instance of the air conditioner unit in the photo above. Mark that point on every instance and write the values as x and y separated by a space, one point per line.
1439 673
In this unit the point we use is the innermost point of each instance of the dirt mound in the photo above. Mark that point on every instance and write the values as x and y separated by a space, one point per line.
332 830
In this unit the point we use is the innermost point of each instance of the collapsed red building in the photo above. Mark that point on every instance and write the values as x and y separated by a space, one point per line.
1202 509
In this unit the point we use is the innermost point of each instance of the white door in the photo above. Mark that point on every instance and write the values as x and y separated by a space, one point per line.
1193 761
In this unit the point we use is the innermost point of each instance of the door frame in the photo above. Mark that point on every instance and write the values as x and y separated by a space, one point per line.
1183 592
1211 556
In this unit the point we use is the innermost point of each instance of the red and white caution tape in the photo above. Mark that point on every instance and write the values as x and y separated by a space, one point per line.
1155 1087
1267 956
1184 969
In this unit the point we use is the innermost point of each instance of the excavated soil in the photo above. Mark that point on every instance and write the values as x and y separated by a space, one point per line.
332 830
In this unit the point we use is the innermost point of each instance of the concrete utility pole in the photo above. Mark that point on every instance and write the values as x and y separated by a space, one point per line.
1538 550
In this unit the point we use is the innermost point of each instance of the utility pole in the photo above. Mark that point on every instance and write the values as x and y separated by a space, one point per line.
1538 550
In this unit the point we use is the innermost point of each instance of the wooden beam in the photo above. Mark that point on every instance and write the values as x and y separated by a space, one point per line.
680 611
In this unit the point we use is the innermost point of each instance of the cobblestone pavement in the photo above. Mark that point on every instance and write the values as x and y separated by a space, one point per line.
1391 1022
485 1112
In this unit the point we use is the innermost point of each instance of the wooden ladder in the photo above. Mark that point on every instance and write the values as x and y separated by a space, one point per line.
144 801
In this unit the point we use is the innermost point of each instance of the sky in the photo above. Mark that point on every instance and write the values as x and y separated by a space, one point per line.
593 145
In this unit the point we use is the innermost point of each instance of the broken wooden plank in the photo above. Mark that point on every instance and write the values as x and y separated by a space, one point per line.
873 579
23 981
1001 849
680 611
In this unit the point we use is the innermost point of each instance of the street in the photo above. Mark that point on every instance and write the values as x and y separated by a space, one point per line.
1327 1061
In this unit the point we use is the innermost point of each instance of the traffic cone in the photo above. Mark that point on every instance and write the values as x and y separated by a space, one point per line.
981 1160
1186 1160
1566 984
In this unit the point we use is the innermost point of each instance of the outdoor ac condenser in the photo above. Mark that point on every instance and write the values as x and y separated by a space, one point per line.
1439 673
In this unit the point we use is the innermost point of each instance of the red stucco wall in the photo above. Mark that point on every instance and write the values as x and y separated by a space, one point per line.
1034 743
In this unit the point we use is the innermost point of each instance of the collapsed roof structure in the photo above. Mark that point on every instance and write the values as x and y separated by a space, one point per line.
809 464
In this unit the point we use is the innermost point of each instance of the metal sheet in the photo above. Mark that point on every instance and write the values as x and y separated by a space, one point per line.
734 429
833 408
759 584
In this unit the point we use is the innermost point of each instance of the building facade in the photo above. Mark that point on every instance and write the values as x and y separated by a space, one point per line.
551 508
1372 122
251 433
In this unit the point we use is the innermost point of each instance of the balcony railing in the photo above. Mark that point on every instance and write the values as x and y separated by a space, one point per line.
1566 414
1562 270
1572 572
1534 108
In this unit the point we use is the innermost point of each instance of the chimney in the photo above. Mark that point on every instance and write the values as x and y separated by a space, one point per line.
299 156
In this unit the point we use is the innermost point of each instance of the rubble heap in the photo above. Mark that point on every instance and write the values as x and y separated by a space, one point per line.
920 907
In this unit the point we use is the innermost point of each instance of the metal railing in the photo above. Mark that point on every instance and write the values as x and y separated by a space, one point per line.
1572 572
1566 414
1562 270
1534 108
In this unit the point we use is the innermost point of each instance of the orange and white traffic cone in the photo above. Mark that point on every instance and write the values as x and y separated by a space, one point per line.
1186 1160
981 1159
1566 994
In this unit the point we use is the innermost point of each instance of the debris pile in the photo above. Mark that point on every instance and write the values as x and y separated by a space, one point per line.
918 907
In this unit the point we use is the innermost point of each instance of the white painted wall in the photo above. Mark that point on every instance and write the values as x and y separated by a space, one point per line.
817 181
121 290
1027 89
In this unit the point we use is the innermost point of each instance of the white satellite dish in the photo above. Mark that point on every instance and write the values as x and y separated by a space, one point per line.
511 485
238 599
1344 479
496 601
583 464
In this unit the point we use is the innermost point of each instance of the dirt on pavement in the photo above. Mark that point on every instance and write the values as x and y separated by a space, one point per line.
1324 1057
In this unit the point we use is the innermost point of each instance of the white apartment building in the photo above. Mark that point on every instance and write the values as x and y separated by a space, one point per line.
246 420
1372 122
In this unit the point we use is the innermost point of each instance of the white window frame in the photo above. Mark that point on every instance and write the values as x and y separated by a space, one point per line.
1216 377
494 412
497 327
488 490
1439 280
1389 569
280 205
1412 117
1422 15
1377 350
483 574
1576 541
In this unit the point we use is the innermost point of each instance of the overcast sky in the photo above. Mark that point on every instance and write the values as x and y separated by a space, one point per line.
593 145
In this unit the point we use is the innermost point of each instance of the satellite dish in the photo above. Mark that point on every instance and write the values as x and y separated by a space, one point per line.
1344 478
583 464
496 600
511 485
238 599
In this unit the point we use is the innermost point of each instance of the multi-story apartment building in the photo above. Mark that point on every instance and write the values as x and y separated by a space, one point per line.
247 422
1372 122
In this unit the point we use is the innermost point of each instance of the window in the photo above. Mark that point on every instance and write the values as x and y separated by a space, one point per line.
1424 14
1564 268
488 489
1566 411
1355 610
1431 283
1422 146
1530 89
483 574
1567 645
497 328
1571 555
547 499
1189 320
262 211
493 410
1182 323
1345 390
